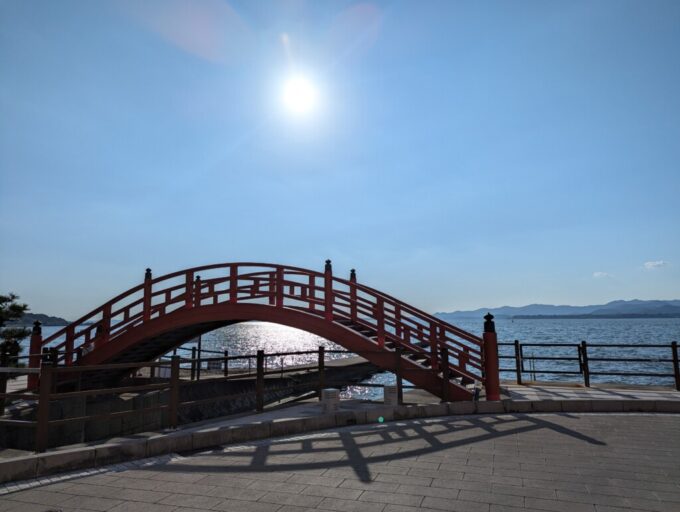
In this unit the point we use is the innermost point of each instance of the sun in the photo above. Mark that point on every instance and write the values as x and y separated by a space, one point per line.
300 95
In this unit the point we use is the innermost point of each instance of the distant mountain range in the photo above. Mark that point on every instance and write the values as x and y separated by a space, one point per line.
29 318
614 309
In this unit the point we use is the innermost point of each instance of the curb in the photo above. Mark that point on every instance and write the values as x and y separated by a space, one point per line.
189 440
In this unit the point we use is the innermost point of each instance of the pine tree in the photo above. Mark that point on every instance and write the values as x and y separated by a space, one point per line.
10 337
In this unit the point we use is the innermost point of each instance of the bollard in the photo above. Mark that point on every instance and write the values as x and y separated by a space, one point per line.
492 384
330 400
226 363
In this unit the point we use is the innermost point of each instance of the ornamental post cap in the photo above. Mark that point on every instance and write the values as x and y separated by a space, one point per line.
352 272
198 278
147 274
37 329
489 325
328 264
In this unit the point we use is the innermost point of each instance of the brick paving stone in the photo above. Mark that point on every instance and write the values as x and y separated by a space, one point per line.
454 505
246 506
350 505
332 492
396 499
191 501
92 503
284 498
136 506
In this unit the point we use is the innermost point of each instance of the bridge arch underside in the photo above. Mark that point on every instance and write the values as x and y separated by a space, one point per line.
159 336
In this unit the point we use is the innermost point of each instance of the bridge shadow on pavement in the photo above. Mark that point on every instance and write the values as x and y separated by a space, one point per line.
358 449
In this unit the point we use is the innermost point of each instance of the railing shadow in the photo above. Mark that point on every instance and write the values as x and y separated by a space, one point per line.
360 447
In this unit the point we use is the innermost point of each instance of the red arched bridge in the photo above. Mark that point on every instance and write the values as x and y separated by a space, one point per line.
162 313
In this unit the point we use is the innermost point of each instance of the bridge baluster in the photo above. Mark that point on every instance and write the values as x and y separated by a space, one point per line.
380 318
34 355
328 290
233 284
312 292
353 295
197 292
272 289
434 356
279 287
189 295
106 328
397 320
147 295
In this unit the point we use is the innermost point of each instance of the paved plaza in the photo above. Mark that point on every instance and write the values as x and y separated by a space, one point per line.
509 462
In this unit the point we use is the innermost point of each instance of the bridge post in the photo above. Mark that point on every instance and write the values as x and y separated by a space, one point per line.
197 292
397 372
380 320
189 286
259 382
353 295
434 356
43 413
233 283
328 290
446 375
34 354
279 287
491 373
147 295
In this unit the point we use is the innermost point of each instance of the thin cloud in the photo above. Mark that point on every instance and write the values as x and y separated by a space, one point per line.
601 275
653 265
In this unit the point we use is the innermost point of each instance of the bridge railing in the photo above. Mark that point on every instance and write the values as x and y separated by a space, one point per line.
320 293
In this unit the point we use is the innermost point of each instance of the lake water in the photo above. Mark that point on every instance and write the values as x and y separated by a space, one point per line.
248 337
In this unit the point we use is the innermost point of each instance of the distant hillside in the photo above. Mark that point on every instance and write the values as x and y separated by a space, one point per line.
614 309
46 320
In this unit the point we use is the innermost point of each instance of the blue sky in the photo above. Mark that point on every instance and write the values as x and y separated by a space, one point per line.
462 155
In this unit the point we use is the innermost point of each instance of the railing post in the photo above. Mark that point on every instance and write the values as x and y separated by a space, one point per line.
676 365
445 373
586 367
193 363
491 373
147 295
174 392
397 321
328 290
106 324
380 320
259 382
226 363
34 355
322 370
43 414
197 292
518 362
233 284
189 290
434 355
311 295
353 295
397 372
199 362
279 287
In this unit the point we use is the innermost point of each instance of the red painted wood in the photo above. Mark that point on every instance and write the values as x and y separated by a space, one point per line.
360 318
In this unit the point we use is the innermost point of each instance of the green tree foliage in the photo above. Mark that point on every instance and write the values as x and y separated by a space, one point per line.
10 337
